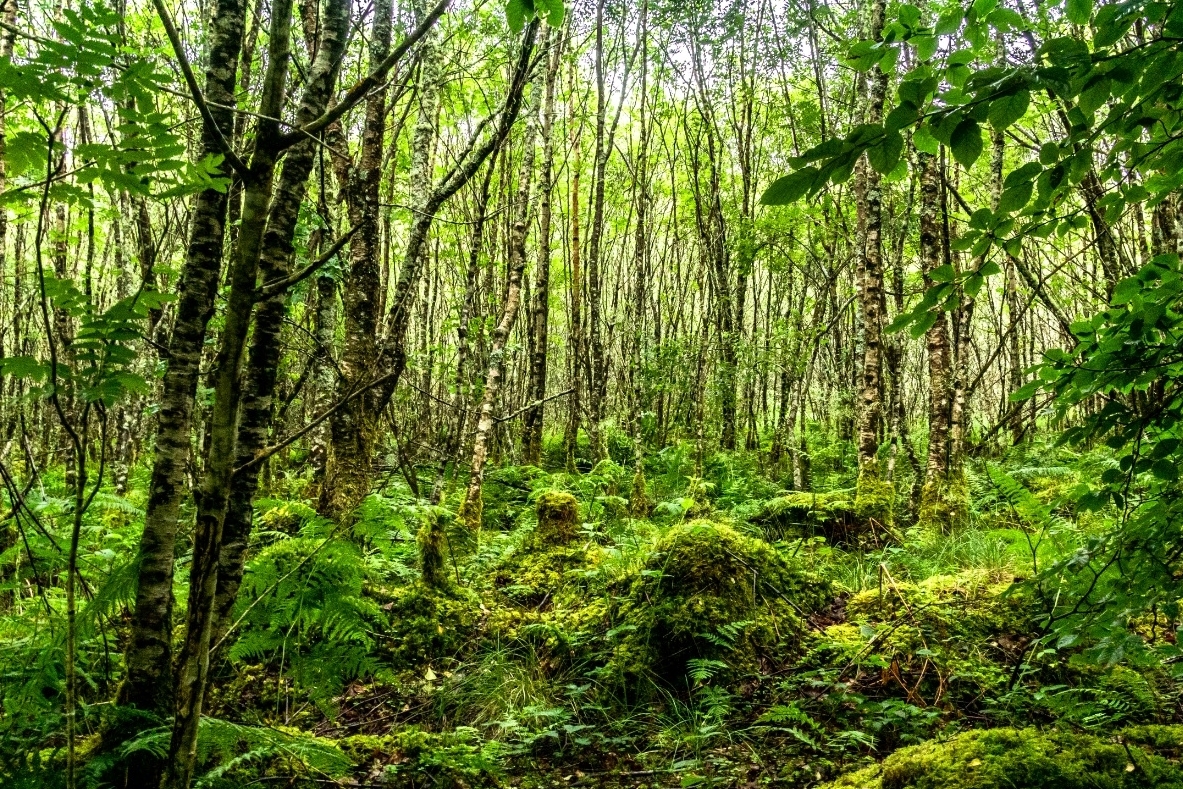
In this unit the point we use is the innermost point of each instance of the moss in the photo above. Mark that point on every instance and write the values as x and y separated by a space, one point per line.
708 592
1028 759
558 518
698 492
414 757
429 623
941 642
832 511
874 499
433 554
470 513
944 505
639 504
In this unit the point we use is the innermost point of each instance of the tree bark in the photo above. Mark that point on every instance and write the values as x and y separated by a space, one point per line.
265 243
874 496
932 498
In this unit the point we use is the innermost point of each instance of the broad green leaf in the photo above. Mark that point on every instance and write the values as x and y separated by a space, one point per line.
944 273
966 142
517 12
1009 109
789 188
924 142
884 156
1014 198
1079 11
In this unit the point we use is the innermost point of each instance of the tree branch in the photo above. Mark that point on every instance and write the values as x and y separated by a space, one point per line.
277 286
371 81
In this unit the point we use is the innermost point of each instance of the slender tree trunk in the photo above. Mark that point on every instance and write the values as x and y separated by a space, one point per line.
639 504
149 683
933 504
472 509
540 314
575 320
461 397
596 381
874 497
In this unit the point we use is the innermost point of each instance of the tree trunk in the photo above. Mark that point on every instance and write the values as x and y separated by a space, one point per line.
540 313
354 427
149 683
472 509
933 504
265 238
874 496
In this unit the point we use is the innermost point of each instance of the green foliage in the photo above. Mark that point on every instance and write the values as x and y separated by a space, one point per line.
945 642
428 624
1129 355
414 757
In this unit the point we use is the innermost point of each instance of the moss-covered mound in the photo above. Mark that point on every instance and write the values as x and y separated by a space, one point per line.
1137 758
413 758
946 640
429 624
831 513
558 518
709 593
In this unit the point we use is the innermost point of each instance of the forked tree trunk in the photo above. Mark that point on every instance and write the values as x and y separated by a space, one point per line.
149 682
265 244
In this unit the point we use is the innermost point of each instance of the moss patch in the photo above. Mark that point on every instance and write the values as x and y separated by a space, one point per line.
1031 759
558 518
944 641
429 624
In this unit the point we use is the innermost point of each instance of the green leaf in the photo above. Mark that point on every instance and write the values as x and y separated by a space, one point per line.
884 156
924 141
924 323
554 11
1079 11
789 188
1026 391
1049 154
966 142
944 273
1166 469
1014 198
926 46
517 12
948 23
1009 109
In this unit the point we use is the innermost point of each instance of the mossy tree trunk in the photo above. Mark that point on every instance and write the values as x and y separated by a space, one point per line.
873 499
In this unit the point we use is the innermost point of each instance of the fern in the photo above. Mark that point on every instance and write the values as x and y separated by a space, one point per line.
224 747
302 599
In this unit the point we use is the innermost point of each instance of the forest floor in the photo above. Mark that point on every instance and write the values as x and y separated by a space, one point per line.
716 631
736 635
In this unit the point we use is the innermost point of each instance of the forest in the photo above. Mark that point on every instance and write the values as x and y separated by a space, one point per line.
642 394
